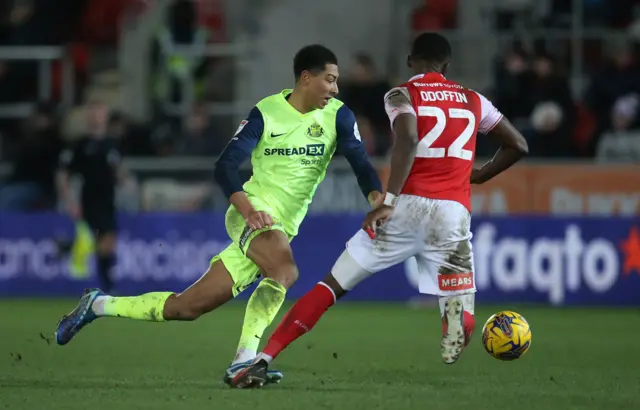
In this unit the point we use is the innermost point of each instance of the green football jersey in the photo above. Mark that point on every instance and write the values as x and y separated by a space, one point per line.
290 153
292 156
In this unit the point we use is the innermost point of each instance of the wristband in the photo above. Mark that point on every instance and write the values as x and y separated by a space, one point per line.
390 199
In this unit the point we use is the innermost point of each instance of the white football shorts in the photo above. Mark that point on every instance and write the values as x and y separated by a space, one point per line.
436 232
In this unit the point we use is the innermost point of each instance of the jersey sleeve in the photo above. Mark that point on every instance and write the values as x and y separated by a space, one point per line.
350 145
238 150
490 116
398 101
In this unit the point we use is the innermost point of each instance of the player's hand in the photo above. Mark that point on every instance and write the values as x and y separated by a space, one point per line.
376 218
375 199
258 220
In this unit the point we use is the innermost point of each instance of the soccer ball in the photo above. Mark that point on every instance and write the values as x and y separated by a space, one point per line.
506 335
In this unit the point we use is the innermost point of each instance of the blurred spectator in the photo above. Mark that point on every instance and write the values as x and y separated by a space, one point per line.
537 98
174 72
32 183
364 93
622 142
513 83
368 135
198 137
624 114
553 108
546 136
135 140
618 78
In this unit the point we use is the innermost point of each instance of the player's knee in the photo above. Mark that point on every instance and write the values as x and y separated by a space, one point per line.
285 273
334 285
106 244
182 308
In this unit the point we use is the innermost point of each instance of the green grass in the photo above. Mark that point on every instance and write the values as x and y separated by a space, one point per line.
361 356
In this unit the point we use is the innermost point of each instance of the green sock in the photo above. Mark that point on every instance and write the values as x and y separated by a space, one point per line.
262 308
144 307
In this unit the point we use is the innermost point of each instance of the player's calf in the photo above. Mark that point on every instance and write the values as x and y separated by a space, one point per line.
211 291
308 310
271 252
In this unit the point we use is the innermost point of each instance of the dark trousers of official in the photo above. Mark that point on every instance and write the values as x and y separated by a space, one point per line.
101 218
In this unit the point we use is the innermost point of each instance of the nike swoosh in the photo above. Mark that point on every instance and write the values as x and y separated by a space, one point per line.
276 135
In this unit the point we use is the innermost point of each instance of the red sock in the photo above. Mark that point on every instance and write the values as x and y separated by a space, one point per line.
300 319
469 324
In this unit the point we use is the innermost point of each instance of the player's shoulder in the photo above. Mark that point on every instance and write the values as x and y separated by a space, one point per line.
272 102
335 105
483 100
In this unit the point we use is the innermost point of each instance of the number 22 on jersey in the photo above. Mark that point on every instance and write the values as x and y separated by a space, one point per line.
456 148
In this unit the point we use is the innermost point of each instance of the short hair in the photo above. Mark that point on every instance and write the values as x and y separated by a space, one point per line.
313 58
431 47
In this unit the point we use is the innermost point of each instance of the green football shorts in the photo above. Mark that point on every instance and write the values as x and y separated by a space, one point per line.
242 269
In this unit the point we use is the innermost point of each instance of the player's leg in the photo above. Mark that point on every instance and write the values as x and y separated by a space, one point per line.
307 311
105 259
445 269
271 252
213 289
101 218
363 257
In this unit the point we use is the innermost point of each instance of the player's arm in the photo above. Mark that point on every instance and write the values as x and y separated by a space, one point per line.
227 168
404 123
513 145
405 128
350 145
67 164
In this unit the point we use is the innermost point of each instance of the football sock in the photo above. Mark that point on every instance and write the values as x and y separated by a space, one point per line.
300 319
262 308
149 306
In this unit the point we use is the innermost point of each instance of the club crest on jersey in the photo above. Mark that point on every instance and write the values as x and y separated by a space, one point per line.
315 131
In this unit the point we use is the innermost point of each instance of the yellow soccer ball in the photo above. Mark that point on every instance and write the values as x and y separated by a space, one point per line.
506 335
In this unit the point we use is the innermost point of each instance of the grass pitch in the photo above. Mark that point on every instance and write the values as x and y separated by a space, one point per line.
360 356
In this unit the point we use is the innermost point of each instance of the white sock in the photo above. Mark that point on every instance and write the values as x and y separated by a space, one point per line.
265 357
243 355
468 302
98 305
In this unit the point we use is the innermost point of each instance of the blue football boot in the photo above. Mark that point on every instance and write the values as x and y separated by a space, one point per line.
79 317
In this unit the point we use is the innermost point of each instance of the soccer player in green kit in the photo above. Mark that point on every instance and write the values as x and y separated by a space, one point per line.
291 138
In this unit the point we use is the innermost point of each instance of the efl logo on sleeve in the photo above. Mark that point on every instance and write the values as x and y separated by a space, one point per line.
241 126
455 282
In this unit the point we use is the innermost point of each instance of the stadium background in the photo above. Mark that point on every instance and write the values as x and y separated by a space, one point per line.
561 229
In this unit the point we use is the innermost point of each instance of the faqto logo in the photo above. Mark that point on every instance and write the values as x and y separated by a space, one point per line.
554 266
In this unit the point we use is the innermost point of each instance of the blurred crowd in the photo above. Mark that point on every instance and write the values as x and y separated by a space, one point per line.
531 85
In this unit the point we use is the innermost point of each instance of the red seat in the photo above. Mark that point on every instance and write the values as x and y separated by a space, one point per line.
435 15
585 127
